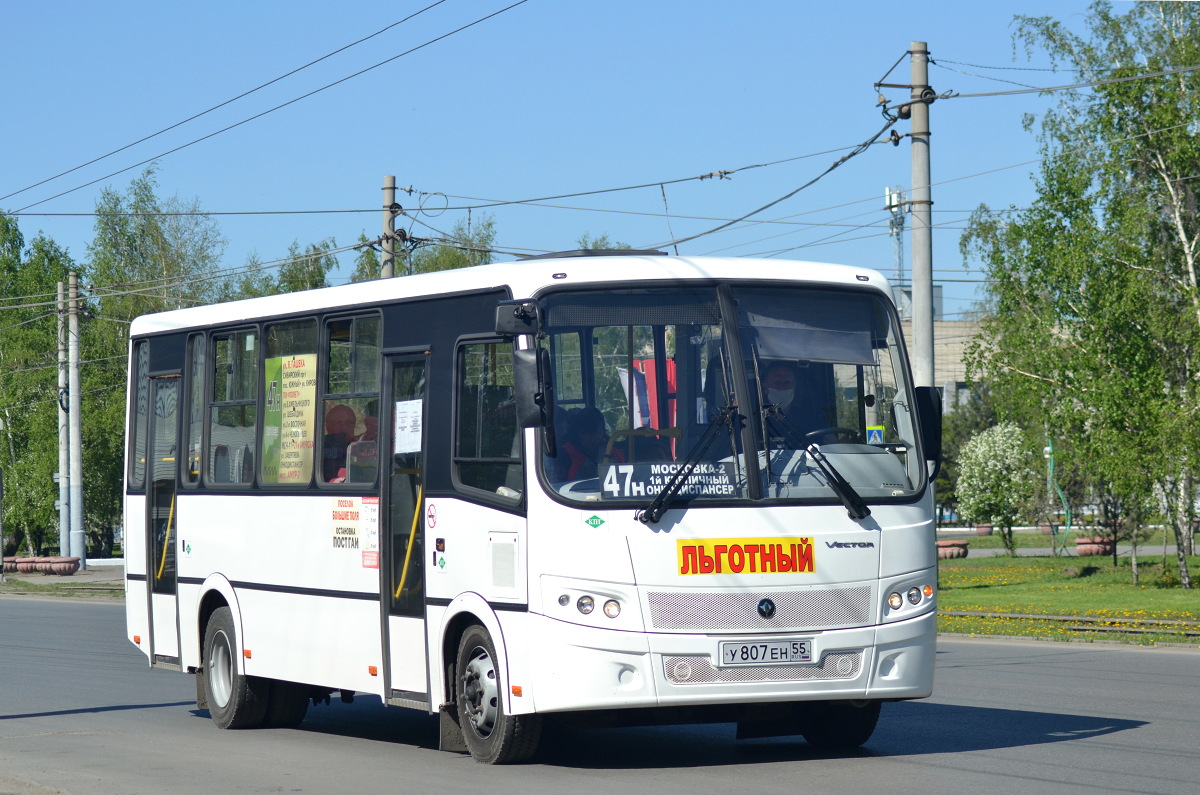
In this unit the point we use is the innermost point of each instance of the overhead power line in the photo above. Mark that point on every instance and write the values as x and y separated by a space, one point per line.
941 61
1182 70
862 147
222 104
278 107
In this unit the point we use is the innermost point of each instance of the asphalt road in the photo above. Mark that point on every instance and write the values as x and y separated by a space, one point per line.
81 712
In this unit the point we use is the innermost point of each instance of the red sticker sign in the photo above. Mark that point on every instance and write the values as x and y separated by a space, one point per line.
431 516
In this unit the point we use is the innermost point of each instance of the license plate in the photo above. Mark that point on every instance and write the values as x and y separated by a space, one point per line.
766 652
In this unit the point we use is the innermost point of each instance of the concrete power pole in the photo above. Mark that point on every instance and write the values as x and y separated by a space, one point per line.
894 196
64 444
922 230
388 269
74 400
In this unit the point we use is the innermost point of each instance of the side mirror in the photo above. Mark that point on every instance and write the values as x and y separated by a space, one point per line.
533 391
929 414
523 316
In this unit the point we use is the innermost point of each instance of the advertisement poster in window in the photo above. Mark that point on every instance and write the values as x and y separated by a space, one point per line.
289 421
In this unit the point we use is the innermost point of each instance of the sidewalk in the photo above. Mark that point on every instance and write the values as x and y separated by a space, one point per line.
100 578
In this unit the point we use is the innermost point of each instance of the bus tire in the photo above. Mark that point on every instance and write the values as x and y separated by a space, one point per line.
235 701
842 724
287 704
492 736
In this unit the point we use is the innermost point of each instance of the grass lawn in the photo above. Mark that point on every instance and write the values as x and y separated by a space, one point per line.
1066 587
1147 548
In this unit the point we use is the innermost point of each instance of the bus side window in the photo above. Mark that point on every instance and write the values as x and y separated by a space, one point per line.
351 400
289 388
232 405
194 418
487 447
139 413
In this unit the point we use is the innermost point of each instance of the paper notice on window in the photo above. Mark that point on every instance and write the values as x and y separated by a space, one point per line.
406 426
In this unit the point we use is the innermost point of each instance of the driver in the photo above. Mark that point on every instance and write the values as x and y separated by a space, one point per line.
779 388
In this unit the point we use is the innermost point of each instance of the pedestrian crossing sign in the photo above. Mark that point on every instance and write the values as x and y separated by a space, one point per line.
874 434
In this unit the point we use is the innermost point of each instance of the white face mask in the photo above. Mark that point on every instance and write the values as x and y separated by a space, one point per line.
781 396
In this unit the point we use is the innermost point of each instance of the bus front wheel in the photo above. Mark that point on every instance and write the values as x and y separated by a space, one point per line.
846 724
492 736
235 701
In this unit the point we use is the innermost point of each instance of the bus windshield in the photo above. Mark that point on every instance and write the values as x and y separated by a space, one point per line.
650 379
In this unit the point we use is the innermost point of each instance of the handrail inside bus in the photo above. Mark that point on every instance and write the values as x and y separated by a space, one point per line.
411 534
162 565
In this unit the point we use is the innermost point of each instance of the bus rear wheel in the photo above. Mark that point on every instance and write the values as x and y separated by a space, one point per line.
235 701
846 724
492 736
287 705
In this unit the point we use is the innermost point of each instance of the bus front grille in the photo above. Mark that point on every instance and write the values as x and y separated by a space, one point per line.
699 670
794 610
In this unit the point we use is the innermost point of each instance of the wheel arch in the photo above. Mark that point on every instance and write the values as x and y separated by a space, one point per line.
217 592
465 610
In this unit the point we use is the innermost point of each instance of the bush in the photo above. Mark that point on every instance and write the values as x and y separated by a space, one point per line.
996 482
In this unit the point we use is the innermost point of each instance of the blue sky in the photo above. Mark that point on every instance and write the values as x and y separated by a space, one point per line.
548 98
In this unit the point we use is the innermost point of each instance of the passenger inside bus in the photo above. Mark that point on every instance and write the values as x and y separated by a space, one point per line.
585 443
370 422
340 421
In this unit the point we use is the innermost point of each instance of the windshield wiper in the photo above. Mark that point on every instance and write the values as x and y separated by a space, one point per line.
841 487
658 506
855 505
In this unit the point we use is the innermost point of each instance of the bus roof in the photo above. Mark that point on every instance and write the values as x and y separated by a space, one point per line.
523 277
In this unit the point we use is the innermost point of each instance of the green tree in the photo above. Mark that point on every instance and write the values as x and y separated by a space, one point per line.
467 245
996 481
28 386
307 268
1095 332
965 419
147 255
367 262
150 254
602 243
253 280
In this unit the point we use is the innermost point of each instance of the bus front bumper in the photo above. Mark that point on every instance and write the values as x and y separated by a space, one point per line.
574 667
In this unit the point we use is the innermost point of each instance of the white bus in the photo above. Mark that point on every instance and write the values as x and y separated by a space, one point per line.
610 490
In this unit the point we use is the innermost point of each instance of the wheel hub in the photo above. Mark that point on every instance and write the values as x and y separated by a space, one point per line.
480 694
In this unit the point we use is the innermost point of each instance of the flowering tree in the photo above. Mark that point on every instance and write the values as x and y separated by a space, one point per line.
996 481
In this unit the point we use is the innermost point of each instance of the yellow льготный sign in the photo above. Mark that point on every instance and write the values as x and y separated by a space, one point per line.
740 555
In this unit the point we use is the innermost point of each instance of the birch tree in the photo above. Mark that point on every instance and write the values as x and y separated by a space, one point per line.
1096 329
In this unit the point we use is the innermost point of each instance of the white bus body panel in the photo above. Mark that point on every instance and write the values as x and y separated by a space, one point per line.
329 595
137 583
482 569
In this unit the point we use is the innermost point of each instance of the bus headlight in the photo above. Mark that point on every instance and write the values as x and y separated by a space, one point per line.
895 600
612 608
586 604
914 595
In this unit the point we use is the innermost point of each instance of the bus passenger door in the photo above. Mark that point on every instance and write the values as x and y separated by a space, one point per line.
404 570
161 520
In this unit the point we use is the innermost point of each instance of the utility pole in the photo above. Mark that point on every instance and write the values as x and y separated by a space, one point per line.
64 445
894 196
922 231
387 271
74 393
